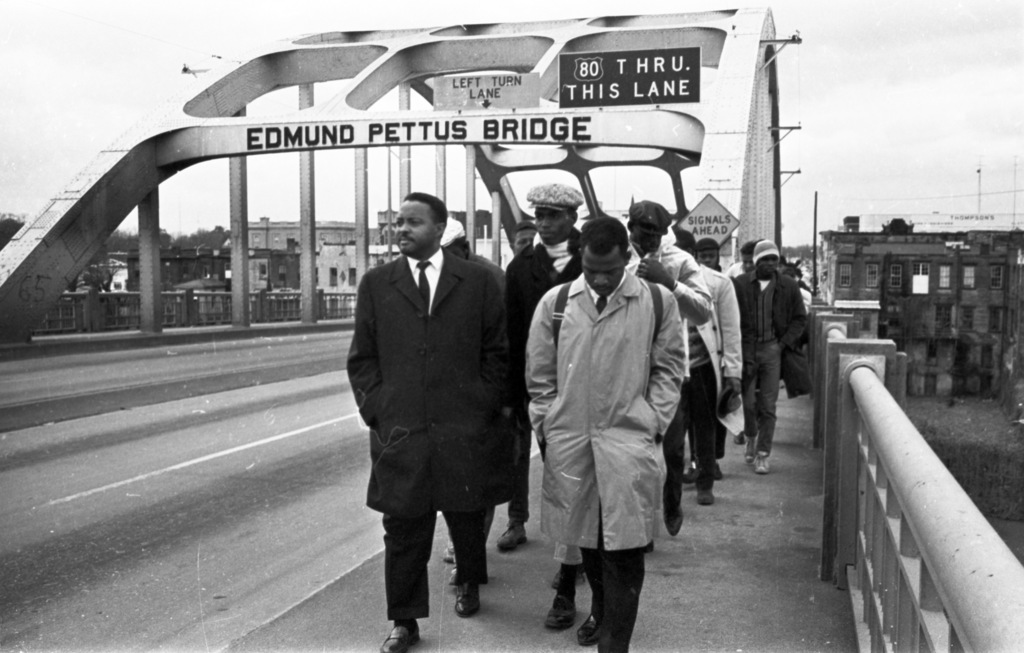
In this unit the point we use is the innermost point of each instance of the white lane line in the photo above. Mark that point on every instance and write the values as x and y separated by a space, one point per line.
196 461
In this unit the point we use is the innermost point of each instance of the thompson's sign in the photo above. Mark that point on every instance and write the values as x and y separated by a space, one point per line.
602 79
709 219
495 91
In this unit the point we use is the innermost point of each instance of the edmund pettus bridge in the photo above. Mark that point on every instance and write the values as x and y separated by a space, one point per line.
202 488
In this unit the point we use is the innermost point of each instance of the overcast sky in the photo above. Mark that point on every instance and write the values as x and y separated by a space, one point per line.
899 101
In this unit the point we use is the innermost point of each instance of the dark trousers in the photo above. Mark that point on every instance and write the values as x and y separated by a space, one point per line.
700 395
674 449
407 546
616 579
519 506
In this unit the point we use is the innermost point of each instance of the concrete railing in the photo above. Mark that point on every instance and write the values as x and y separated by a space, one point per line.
94 311
925 569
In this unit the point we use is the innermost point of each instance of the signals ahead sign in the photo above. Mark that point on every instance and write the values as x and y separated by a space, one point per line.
603 79
709 219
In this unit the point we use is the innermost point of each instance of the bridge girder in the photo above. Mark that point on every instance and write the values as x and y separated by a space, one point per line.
727 136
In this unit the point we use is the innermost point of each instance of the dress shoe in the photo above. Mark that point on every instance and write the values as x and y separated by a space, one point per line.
705 497
674 522
691 473
513 536
400 639
739 439
467 600
751 451
587 634
562 613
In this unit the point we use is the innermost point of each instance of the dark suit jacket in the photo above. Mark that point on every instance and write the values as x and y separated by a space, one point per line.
428 386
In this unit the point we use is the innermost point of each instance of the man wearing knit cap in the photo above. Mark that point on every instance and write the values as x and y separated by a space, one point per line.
525 232
552 259
772 318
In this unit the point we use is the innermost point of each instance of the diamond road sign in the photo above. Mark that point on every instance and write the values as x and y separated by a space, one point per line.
709 219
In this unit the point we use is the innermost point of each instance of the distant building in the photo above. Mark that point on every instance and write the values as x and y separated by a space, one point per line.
203 267
950 299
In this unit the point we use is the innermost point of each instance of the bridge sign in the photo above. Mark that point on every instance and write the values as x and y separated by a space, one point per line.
488 91
648 77
709 219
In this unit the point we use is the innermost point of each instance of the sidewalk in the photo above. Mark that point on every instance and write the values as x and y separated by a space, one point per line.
742 575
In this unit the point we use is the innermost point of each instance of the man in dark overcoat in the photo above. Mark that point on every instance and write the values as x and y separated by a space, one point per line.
427 365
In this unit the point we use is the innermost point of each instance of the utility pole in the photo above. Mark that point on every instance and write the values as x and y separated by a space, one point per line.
979 185
814 248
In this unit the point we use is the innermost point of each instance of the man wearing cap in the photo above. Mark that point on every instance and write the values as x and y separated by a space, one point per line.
427 366
665 264
772 318
746 262
710 401
553 258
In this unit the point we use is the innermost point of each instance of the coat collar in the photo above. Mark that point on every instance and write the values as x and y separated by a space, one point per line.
630 288
401 278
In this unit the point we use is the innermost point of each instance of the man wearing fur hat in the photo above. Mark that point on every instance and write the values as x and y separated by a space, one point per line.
772 319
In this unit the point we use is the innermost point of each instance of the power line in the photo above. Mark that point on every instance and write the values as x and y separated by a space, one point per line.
131 31
936 197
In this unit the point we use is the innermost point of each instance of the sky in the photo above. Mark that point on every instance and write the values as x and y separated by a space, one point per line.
899 104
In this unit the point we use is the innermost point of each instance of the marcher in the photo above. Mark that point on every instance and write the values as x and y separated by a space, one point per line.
746 262
711 397
454 240
665 264
427 366
772 318
600 396
552 259
525 233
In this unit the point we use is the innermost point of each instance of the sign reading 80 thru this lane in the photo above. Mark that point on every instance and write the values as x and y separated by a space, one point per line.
602 79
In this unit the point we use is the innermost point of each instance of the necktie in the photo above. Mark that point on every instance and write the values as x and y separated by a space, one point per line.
602 301
424 284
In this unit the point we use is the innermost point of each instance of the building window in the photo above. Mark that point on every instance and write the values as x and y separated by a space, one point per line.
943 316
845 275
334 278
871 275
996 277
995 319
919 281
968 276
967 317
263 270
944 276
352 276
933 351
896 275
282 273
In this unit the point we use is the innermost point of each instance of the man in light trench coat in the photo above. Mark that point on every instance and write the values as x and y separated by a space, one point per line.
599 396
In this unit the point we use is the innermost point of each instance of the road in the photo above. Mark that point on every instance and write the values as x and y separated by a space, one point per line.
176 499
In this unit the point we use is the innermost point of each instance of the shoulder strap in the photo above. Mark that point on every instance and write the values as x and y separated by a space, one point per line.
556 318
658 308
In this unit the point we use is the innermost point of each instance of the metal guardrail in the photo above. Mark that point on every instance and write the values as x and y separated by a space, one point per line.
94 311
925 569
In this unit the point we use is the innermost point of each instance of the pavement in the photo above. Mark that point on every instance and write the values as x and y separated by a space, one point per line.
742 575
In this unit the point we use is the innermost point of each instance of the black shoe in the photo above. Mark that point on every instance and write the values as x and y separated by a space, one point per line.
400 639
705 497
673 523
717 474
587 634
467 600
691 473
562 613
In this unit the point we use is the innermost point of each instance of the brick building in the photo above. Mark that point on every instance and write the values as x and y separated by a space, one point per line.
949 299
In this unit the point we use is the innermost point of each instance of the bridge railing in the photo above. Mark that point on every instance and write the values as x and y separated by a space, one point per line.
925 569
94 311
